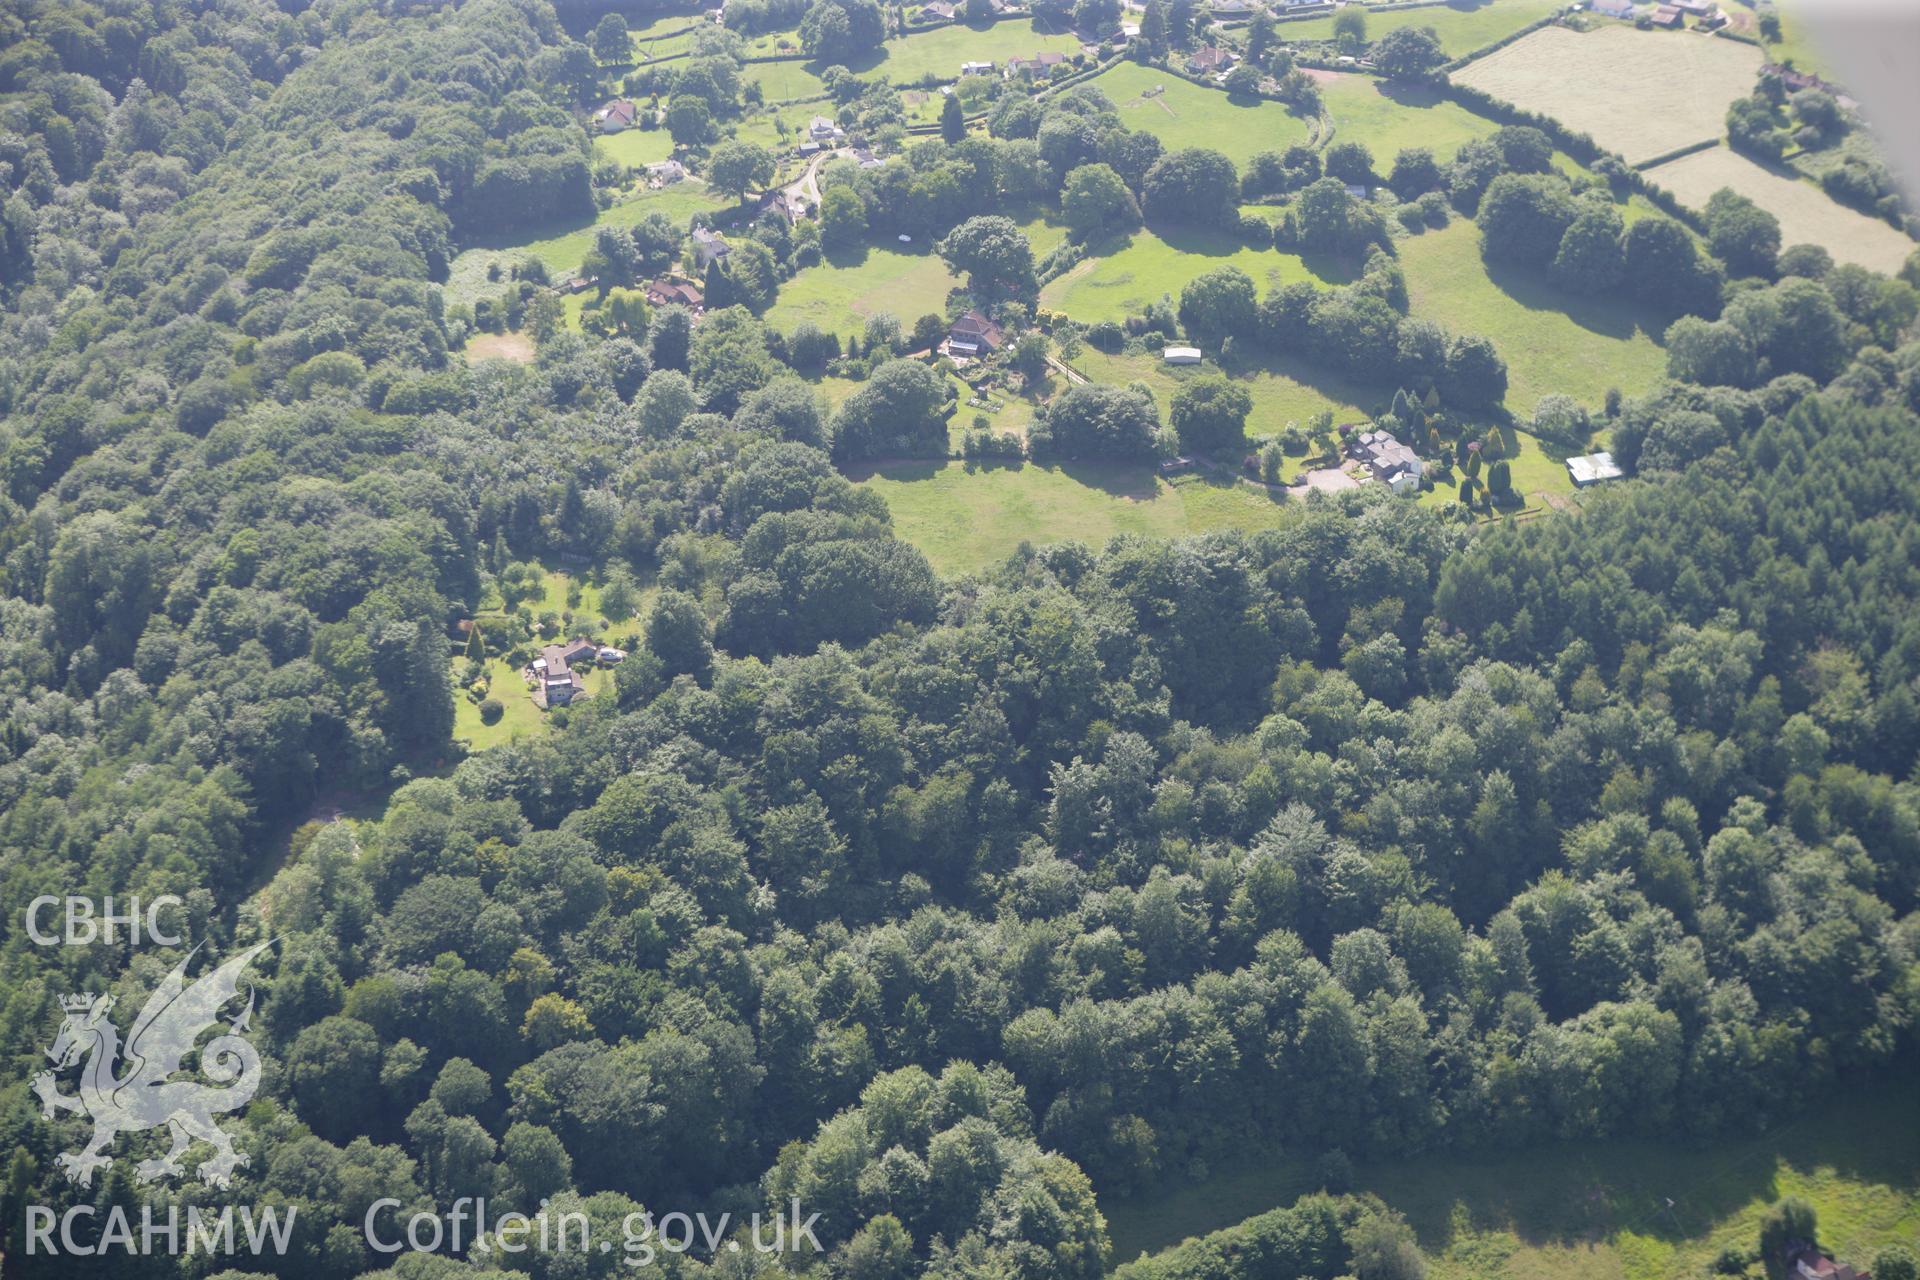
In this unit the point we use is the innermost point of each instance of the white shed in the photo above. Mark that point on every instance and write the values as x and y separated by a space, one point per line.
1181 355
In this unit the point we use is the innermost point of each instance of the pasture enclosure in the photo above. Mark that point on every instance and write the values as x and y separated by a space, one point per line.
1462 26
1182 114
1807 214
1640 93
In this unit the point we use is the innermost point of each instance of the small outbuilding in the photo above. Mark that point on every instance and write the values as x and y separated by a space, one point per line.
1592 468
1181 355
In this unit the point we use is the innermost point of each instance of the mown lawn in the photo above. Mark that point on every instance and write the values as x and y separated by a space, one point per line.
1552 341
1462 26
1624 1210
965 518
1182 114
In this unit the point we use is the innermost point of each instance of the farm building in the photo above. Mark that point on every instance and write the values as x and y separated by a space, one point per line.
1666 16
1181 355
976 68
1592 468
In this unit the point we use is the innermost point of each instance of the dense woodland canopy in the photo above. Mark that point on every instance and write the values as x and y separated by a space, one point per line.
941 905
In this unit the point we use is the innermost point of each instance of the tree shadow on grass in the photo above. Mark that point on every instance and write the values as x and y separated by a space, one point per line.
1130 480
1612 315
1573 1195
1316 378
904 470
1202 240
1409 94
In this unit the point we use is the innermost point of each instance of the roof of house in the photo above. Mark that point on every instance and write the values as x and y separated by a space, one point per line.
1048 59
712 240
939 8
1666 16
1181 354
974 329
618 109
1210 57
665 291
1810 1264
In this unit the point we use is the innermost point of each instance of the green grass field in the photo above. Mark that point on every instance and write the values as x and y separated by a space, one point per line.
1129 274
939 53
520 717
780 81
1796 44
1390 118
1600 1211
1807 214
667 34
1283 391
564 248
966 518
634 147
1185 115
1461 27
1552 341
845 290
907 281
1641 93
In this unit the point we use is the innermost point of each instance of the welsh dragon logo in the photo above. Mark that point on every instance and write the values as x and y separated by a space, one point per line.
126 1092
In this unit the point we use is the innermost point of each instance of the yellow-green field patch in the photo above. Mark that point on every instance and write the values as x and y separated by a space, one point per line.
1807 214
1641 93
